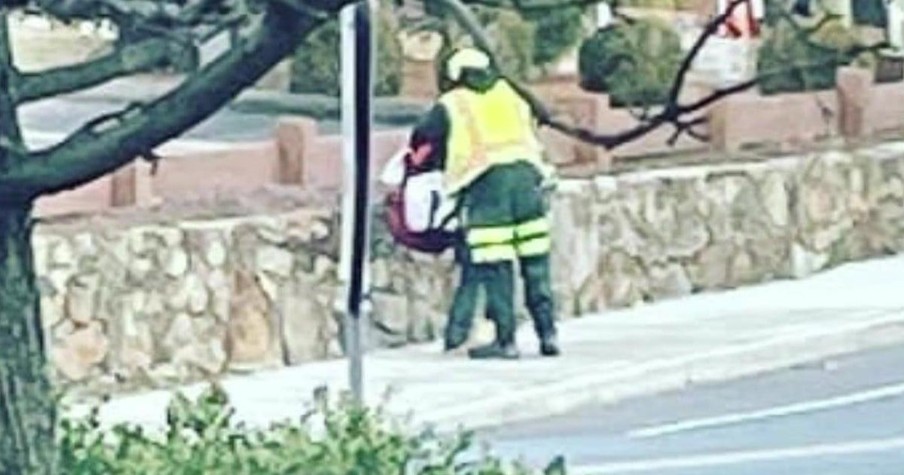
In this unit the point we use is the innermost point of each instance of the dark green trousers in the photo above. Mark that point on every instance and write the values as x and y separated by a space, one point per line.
464 302
504 216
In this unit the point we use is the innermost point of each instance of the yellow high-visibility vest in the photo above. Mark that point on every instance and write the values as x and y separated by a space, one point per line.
487 129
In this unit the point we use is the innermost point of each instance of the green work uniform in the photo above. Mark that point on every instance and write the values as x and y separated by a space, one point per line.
505 218
484 140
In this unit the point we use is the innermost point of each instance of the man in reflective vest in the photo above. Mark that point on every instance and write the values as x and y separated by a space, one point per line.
482 134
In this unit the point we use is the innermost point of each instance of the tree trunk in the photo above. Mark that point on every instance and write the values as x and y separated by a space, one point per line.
27 406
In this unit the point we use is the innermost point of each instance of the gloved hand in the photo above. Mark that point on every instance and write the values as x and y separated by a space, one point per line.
548 185
550 179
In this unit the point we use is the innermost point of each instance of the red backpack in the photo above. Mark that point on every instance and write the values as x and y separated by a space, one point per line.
434 240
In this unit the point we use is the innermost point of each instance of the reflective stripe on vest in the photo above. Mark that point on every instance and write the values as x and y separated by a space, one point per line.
486 129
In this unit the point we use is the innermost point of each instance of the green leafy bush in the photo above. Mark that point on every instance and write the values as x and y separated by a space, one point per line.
512 36
663 4
201 439
316 66
870 12
522 41
635 63
515 40
790 62
558 30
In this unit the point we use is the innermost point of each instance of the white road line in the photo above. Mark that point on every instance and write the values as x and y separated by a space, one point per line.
884 392
735 458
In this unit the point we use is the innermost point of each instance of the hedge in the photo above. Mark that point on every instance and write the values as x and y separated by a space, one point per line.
635 63
526 41
558 30
332 439
788 62
316 64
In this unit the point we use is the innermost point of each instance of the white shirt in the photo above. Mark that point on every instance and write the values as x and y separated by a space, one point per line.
426 204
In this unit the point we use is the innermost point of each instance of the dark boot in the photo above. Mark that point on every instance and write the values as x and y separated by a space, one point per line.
540 302
498 280
458 329
549 346
454 340
495 350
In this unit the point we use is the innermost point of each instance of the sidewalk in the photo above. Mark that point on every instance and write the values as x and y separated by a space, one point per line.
608 357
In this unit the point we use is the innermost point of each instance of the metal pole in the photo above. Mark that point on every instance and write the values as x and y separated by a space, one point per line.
357 95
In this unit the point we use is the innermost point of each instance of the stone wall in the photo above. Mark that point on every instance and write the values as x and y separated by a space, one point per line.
137 306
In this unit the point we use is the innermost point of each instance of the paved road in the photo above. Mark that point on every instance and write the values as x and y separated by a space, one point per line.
838 417
42 120
45 122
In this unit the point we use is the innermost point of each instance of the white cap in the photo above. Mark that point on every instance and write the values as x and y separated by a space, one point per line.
466 58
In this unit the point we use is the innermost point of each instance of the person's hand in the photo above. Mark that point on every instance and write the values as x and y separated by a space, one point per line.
550 180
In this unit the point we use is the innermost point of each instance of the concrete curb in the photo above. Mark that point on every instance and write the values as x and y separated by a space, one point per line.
721 364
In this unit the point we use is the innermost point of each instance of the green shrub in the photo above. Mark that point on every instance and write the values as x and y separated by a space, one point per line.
515 40
635 63
316 63
316 66
522 41
870 12
201 439
663 4
558 30
788 62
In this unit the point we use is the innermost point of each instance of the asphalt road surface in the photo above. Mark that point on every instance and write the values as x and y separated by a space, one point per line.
839 417
43 121
47 122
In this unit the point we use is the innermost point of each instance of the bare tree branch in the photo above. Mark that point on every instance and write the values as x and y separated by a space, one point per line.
711 28
684 126
128 59
111 142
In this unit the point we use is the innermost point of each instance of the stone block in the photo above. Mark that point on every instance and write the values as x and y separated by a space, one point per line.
252 333
176 263
391 319
275 260
81 298
294 137
805 262
123 183
854 87
307 326
81 351
669 281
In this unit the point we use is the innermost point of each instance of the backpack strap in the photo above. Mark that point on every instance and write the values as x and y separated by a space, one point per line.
459 205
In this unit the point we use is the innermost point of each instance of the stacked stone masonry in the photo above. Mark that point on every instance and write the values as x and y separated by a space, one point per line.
153 305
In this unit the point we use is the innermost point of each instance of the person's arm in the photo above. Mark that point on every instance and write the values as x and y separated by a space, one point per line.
428 141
